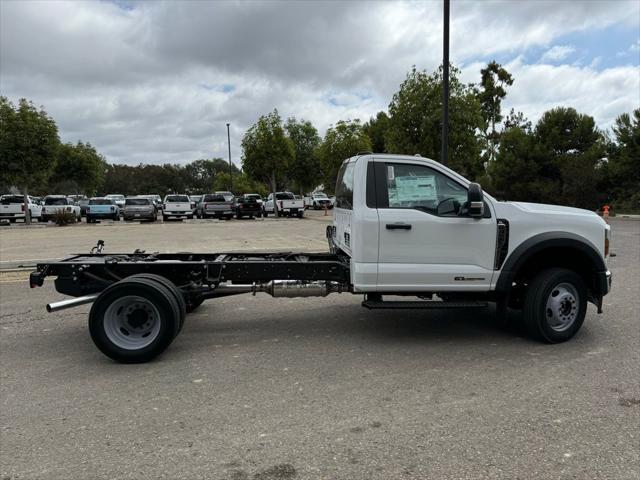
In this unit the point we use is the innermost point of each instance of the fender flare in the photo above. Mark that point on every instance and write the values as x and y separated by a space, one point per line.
542 241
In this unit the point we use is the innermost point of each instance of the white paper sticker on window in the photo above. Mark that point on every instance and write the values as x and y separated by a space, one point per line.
416 189
390 173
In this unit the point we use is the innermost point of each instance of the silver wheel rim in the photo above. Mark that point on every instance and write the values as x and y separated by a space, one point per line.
562 306
132 322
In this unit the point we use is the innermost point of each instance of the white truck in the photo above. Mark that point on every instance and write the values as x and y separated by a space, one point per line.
59 203
286 203
12 208
403 227
178 206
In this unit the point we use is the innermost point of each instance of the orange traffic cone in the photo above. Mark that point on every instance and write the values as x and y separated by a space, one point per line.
605 213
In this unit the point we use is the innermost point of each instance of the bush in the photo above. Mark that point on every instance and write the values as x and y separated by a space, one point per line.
63 218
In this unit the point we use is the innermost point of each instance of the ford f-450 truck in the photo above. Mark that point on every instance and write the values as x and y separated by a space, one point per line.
403 227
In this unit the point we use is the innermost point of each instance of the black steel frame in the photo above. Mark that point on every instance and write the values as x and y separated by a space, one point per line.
193 273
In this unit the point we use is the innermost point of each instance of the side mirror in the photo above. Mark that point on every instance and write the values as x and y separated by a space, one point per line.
475 201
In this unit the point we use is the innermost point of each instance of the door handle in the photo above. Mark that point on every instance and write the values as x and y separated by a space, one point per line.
398 226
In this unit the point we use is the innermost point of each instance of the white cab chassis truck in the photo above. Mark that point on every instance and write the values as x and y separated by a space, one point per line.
403 227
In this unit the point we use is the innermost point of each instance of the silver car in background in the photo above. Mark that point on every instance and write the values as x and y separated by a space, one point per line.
140 208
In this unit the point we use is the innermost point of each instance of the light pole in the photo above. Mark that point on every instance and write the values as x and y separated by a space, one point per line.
230 170
445 85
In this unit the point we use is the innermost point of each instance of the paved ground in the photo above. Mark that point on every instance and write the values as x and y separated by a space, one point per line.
259 388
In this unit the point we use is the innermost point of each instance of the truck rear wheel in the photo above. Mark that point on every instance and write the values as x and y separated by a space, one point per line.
555 305
175 291
134 320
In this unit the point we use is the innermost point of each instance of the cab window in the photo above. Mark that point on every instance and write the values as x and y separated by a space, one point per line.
422 188
344 186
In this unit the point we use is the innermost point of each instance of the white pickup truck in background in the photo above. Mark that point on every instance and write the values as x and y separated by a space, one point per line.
12 208
287 205
59 203
177 206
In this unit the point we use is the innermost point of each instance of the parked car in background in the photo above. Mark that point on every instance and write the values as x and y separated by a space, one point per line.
197 199
287 205
83 203
139 208
218 205
59 203
177 206
226 194
320 201
117 199
247 207
100 208
256 197
12 207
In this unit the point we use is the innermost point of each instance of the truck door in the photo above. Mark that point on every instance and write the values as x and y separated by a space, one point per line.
424 244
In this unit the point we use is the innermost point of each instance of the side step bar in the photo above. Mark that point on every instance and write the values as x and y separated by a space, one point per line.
378 304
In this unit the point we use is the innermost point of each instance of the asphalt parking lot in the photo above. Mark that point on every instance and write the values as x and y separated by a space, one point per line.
262 388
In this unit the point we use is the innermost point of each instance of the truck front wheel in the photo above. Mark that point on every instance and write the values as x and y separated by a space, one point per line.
555 305
134 320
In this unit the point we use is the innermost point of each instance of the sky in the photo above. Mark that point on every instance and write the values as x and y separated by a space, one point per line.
157 82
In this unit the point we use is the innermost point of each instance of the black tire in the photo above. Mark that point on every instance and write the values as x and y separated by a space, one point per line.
175 291
238 215
555 305
164 218
265 214
228 217
300 214
193 303
165 313
116 218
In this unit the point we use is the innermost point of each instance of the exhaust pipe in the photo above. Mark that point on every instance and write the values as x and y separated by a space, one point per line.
283 288
70 303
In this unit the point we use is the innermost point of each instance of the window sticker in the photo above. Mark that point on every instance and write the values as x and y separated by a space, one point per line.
390 173
416 189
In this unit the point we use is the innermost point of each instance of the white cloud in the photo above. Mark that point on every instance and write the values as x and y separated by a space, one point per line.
157 83
557 53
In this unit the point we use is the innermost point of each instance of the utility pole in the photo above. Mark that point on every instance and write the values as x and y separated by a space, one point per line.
445 86
230 169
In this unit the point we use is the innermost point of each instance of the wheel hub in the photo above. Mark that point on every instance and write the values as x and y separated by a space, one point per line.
562 307
132 322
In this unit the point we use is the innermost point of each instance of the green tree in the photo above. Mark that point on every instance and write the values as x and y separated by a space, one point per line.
201 174
305 167
28 145
341 141
376 129
79 167
624 162
492 91
415 124
518 172
267 152
241 184
572 150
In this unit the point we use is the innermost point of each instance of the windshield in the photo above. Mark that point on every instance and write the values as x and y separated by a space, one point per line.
55 201
254 196
195 198
116 197
137 201
320 195
214 198
176 198
100 201
9 199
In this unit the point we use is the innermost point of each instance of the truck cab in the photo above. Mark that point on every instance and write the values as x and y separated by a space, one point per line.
410 225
